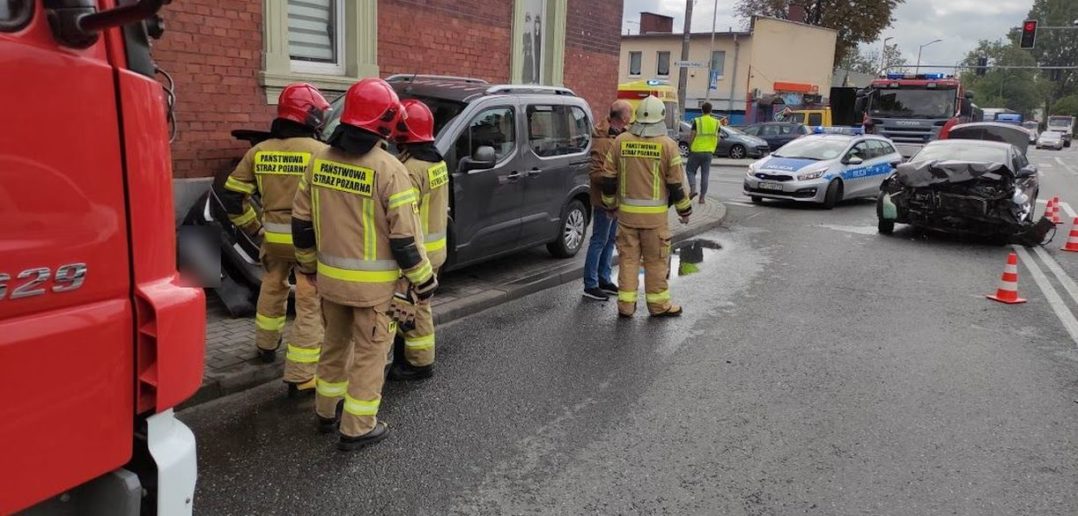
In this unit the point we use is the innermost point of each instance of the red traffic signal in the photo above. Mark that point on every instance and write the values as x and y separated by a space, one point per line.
1029 34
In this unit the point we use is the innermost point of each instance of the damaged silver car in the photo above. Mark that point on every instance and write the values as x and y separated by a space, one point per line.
978 181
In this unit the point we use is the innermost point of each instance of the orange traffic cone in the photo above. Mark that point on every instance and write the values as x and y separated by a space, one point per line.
1052 210
1072 239
1008 283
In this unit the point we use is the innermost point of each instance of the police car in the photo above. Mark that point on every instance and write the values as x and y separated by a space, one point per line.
823 169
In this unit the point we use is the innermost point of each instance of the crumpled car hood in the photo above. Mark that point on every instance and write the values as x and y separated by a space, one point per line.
930 173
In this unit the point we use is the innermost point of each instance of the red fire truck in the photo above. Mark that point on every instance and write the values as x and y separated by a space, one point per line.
99 340
913 109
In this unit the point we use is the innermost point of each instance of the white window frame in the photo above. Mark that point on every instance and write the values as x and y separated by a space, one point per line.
669 64
711 63
340 35
553 52
640 67
359 58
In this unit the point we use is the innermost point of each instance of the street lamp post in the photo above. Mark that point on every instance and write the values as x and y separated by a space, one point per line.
922 47
883 56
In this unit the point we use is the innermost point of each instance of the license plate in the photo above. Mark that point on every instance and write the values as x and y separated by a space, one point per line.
770 186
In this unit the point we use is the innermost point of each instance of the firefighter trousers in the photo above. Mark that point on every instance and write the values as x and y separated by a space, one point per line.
419 341
305 339
652 248
353 364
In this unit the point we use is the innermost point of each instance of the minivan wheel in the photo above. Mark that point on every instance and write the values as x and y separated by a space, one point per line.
737 152
574 225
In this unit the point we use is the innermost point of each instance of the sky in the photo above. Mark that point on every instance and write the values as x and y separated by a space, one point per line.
959 23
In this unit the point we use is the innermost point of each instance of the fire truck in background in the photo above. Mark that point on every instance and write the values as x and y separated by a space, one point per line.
99 340
1062 124
912 110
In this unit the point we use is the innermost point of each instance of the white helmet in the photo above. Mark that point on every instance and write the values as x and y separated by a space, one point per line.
651 111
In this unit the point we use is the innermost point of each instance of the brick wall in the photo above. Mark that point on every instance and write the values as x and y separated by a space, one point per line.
592 48
213 50
469 38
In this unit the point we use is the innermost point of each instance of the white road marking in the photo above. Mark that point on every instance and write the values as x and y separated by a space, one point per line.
1066 166
1045 165
1061 275
745 204
1067 208
857 230
1050 294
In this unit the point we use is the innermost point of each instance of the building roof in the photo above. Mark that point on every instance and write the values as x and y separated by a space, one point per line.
679 35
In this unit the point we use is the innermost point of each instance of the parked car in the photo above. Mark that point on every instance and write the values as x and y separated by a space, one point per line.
823 169
1050 140
733 143
776 134
518 156
978 181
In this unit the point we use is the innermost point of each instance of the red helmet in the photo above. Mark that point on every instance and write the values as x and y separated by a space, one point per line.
301 103
372 105
418 126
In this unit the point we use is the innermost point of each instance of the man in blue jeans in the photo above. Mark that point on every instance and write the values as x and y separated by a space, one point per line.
604 227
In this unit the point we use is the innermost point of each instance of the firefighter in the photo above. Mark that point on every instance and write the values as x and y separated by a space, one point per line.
414 358
273 168
642 176
356 228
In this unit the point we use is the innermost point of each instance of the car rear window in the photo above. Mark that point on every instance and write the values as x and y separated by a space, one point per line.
963 152
444 111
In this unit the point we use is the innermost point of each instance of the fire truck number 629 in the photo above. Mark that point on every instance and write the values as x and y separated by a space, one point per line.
31 282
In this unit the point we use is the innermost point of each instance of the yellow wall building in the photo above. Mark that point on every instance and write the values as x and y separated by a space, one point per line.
773 57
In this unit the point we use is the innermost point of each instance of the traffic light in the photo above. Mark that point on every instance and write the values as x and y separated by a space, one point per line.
1029 34
982 66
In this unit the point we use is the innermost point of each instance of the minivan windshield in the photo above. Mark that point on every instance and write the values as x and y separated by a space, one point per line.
444 111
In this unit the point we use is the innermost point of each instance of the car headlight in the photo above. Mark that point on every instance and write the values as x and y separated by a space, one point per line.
752 170
812 174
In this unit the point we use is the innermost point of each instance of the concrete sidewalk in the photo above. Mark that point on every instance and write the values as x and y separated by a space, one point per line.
231 365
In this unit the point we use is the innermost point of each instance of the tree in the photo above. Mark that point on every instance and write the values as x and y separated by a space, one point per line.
1022 90
1057 47
1065 106
857 21
869 61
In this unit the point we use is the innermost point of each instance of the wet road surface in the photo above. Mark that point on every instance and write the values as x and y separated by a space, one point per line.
820 368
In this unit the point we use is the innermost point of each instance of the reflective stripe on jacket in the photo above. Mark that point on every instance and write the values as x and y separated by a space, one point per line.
431 180
644 169
362 208
273 168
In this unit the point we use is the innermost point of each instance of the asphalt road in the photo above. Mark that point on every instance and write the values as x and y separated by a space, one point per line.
820 368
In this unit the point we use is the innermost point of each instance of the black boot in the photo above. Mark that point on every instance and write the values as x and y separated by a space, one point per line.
267 356
328 425
380 431
405 372
297 389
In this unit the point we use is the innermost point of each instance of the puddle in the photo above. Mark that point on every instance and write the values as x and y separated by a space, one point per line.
689 256
857 230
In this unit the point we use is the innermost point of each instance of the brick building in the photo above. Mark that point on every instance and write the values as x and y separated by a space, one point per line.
230 58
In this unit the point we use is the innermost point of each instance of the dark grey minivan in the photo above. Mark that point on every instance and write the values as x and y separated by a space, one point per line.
518 157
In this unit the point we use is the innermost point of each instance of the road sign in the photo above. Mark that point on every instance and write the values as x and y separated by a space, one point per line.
690 64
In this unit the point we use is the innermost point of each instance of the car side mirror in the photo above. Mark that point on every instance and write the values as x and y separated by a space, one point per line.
967 107
484 158
853 160
1027 171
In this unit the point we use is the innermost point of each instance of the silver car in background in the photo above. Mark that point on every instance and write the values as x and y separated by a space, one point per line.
1050 140
823 169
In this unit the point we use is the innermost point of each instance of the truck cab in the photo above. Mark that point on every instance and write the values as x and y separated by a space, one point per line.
912 109
809 117
99 339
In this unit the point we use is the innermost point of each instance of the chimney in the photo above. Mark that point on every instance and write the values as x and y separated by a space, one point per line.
651 22
796 13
